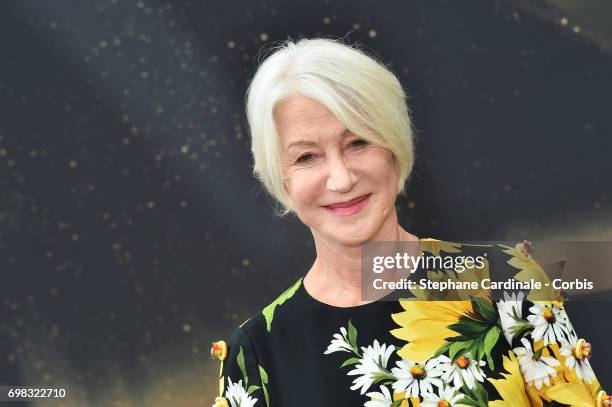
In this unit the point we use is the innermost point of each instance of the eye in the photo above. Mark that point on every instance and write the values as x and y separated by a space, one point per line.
304 158
359 143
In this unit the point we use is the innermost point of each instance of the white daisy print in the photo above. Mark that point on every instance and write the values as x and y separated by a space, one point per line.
577 353
339 343
447 396
535 370
382 399
417 379
373 361
510 313
550 323
237 395
464 370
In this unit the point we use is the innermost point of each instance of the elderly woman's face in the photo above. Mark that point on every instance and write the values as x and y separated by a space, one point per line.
341 186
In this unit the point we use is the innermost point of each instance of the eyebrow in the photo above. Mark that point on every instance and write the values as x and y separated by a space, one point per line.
306 143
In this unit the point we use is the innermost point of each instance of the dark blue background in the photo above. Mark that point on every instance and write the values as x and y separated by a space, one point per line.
132 233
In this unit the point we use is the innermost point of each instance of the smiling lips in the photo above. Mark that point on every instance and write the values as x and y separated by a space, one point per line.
348 208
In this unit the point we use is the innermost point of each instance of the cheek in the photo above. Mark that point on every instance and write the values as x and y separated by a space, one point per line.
391 170
393 174
303 187
381 172
380 166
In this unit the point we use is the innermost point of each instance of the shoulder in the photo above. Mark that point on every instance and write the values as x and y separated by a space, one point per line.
284 305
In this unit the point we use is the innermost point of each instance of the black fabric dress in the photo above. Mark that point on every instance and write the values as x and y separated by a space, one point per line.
511 352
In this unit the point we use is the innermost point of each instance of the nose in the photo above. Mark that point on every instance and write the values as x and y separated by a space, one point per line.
341 178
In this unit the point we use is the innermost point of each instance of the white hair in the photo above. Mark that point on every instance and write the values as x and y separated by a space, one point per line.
359 90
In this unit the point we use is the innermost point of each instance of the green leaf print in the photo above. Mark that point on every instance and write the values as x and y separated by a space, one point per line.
456 347
263 375
240 361
468 402
521 329
264 381
384 375
483 308
476 337
350 361
477 396
268 312
481 394
470 328
352 334
251 389
444 348
489 342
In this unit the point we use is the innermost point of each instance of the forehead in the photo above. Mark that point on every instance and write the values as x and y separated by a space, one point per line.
300 117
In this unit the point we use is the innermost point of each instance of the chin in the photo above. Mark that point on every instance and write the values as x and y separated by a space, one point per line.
351 230
346 242
354 234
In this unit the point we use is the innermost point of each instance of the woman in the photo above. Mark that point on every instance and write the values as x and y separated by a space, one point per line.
332 143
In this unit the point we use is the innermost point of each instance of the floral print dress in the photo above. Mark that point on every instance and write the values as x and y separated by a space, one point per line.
406 352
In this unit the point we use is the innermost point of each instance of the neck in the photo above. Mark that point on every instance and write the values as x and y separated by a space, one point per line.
335 276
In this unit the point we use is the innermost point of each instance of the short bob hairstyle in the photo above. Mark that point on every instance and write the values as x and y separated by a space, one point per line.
360 91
